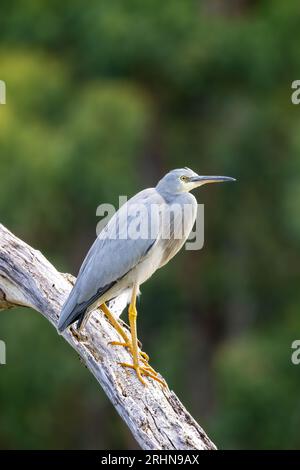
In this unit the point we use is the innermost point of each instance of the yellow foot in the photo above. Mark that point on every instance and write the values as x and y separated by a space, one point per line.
143 370
144 356
129 346
124 324
148 367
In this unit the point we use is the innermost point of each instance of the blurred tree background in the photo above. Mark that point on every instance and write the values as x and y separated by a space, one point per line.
102 99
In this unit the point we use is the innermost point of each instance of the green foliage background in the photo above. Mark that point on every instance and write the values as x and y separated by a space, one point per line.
102 99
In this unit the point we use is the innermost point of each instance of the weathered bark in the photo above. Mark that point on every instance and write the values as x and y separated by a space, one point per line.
155 415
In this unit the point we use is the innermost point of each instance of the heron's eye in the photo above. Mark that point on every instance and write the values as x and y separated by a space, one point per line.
184 178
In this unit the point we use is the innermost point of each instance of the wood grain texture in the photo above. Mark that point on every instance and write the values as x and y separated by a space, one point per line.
155 416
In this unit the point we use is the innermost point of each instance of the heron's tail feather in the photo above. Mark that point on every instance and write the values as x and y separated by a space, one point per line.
72 311
69 316
67 319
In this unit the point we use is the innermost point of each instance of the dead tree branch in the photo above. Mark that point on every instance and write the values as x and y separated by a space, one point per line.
154 415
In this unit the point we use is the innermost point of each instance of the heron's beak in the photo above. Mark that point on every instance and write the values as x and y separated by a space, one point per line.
200 180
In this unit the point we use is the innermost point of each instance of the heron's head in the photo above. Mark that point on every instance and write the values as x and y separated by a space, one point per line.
184 180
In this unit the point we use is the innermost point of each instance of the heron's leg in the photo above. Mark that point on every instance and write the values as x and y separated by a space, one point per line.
114 323
132 313
127 327
123 323
127 343
140 368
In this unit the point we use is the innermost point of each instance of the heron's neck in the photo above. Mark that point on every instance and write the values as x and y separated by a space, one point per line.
179 198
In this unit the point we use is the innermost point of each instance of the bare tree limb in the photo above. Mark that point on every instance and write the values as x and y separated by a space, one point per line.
155 415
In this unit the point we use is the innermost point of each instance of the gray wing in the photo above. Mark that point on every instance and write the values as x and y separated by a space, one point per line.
114 253
182 217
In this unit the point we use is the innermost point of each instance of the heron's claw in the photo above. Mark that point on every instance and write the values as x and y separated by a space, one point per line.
144 356
147 366
119 343
143 370
134 346
124 324
137 369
